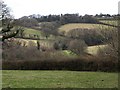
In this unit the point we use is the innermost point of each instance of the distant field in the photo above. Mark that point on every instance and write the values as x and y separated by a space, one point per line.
94 49
41 34
32 31
58 79
26 42
68 27
111 22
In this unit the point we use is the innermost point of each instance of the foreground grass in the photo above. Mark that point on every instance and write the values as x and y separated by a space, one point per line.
58 79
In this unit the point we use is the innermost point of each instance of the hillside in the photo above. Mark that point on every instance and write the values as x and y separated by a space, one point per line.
67 27
93 50
30 42
111 22
32 36
32 31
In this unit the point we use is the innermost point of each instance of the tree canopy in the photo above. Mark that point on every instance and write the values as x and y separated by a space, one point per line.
7 23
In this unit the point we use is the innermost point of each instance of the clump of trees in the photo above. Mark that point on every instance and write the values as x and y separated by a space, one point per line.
90 36
26 21
7 24
77 46
50 27
112 42
6 19
61 44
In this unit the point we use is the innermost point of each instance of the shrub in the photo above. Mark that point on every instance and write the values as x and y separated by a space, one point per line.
77 46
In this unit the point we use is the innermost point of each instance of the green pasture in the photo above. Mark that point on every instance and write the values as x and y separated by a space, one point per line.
58 79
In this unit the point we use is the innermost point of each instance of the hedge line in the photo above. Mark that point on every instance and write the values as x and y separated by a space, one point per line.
78 64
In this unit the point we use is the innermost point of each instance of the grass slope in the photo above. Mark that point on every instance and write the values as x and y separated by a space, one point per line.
32 31
41 34
45 43
29 31
95 49
111 22
67 27
58 79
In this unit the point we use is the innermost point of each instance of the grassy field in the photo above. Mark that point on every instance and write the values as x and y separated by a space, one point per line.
46 43
29 31
32 31
58 79
41 34
43 42
67 27
95 49
111 22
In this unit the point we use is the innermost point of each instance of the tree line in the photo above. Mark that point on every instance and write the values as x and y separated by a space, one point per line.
63 18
